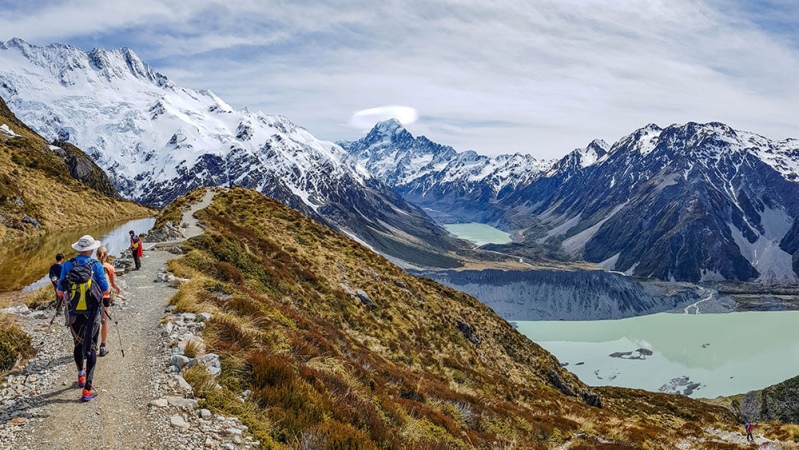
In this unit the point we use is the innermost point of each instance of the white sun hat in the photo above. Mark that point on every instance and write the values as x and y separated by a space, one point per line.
86 243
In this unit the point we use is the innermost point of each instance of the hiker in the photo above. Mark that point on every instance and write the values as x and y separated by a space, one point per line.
55 275
102 256
749 427
136 249
82 285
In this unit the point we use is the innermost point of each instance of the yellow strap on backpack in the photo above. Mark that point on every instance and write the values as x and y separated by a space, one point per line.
81 306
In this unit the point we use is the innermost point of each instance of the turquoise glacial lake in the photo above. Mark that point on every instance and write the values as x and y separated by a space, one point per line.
719 354
478 233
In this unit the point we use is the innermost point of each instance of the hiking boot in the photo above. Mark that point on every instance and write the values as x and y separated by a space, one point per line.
82 378
103 350
88 394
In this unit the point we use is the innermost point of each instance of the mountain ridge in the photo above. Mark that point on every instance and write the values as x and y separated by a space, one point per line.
157 140
615 204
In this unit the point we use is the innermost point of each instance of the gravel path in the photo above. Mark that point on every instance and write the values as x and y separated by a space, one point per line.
131 410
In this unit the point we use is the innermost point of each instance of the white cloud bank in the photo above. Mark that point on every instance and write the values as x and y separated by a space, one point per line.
536 76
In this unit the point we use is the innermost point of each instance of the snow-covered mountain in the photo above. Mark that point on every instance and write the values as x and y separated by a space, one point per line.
451 186
691 202
157 140
688 202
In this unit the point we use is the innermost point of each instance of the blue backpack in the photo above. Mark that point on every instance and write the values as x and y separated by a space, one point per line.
83 294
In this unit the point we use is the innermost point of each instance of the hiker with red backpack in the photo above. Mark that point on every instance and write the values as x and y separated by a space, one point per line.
749 427
136 249
83 286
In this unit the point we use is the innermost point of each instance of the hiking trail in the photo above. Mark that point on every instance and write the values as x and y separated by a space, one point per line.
127 412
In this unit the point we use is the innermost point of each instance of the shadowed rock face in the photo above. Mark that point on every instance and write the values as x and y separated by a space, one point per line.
693 202
777 402
790 243
558 295
83 169
688 203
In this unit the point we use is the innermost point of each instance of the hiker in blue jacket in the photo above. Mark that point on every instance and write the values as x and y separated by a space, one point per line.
84 283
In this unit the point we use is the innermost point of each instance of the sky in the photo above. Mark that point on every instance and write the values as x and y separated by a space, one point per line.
530 76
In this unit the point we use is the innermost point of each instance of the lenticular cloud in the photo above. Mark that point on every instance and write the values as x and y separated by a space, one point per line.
366 118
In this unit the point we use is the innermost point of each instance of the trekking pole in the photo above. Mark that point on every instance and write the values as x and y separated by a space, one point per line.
44 338
116 325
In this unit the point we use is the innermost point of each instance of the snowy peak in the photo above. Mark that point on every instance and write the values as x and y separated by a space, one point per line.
691 202
707 145
395 156
73 66
388 127
157 140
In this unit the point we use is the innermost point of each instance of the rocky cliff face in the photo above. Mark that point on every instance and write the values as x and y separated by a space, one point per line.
778 402
697 202
561 295
790 244
83 169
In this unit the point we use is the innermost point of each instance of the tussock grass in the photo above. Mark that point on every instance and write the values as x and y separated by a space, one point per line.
41 298
326 371
15 344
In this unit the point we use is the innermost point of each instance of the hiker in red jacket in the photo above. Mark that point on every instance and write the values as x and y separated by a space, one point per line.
136 249
749 427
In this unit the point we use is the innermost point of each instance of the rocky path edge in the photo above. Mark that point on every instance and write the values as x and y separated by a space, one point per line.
143 401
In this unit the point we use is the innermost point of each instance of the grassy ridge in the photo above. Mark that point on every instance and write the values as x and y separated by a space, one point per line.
306 363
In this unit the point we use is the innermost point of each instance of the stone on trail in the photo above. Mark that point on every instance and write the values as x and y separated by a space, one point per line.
180 402
159 403
205 414
20 310
178 422
174 281
212 363
183 384
179 361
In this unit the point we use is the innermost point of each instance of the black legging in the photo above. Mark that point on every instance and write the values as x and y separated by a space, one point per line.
85 329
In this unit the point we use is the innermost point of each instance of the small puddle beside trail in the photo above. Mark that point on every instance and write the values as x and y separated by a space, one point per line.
25 264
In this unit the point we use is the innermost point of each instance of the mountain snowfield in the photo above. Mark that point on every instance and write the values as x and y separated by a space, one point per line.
145 130
158 140
438 178
693 202
698 202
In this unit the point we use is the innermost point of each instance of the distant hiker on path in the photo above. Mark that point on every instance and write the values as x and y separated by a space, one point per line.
102 255
136 249
749 427
84 284
55 275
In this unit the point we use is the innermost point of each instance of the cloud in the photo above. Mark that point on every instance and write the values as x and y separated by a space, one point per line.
538 77
366 118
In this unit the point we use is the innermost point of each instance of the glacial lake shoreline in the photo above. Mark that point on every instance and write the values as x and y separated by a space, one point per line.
704 355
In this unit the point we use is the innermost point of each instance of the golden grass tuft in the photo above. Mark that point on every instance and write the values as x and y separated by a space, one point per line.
15 344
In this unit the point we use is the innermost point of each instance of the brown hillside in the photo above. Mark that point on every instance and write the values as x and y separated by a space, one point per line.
39 192
326 344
